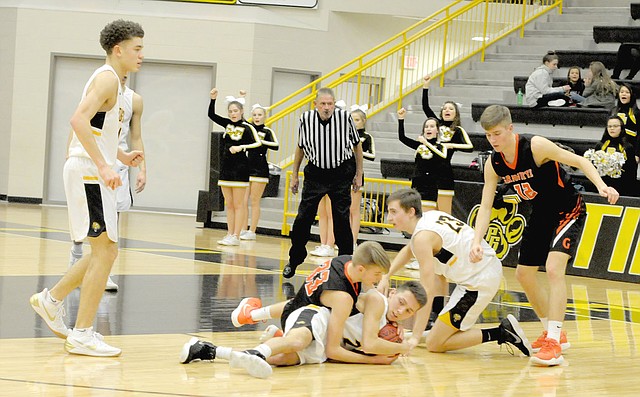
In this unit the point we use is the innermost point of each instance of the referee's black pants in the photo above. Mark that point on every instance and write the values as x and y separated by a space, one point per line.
318 182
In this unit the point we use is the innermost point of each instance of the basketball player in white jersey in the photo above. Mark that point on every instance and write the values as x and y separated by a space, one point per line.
90 183
308 326
442 244
131 131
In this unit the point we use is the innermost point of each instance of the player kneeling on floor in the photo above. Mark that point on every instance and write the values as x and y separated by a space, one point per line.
442 243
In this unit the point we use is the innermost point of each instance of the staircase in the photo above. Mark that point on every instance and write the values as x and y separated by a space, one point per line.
489 81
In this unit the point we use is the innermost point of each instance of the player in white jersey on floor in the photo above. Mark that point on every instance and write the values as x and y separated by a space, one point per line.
132 105
442 244
308 326
90 182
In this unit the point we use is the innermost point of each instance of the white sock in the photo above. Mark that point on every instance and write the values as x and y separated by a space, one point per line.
555 327
545 323
51 298
223 352
77 248
264 313
265 350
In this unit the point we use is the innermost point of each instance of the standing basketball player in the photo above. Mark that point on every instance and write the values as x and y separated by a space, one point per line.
131 131
90 182
531 167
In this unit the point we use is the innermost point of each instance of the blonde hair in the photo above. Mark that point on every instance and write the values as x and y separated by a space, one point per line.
371 253
495 115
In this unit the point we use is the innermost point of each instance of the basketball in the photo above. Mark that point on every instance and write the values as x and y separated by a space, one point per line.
391 333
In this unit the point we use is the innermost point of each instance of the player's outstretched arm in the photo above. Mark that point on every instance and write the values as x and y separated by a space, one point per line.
484 212
544 150
340 303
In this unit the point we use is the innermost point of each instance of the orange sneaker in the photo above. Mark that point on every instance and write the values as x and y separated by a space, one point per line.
550 354
537 344
242 314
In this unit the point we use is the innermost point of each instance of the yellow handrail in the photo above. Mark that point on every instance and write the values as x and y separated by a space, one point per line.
381 79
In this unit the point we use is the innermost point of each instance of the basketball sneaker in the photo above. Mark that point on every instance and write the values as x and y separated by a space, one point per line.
549 354
197 350
52 313
242 314
111 285
512 333
272 331
537 344
251 361
89 343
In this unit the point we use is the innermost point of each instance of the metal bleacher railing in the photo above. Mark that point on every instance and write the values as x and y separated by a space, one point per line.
382 76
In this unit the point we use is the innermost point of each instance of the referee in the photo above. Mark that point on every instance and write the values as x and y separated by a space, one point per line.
328 138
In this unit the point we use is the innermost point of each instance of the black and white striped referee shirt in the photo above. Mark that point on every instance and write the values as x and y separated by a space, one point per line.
326 144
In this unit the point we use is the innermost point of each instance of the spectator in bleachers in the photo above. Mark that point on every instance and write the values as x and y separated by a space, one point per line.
627 52
575 81
601 91
539 89
615 140
627 109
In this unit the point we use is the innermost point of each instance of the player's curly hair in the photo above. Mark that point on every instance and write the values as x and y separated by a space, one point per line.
117 32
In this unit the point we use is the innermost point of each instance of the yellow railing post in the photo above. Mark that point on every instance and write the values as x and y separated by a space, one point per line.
524 17
444 52
484 29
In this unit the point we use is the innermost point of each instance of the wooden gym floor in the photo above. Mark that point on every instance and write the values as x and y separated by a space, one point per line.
175 283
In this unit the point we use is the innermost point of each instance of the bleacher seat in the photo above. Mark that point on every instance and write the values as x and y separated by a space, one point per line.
635 10
616 34
595 117
520 82
582 58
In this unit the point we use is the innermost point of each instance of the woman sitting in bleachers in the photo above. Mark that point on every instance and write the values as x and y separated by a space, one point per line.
601 91
539 89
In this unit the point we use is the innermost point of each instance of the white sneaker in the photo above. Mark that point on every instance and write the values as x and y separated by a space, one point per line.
230 239
89 343
557 102
323 250
247 235
111 286
413 265
52 313
254 365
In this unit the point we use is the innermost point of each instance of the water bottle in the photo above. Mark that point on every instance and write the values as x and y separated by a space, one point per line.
519 96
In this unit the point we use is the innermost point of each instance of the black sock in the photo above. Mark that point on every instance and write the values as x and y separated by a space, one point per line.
490 334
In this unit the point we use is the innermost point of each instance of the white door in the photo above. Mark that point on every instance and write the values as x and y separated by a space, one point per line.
175 129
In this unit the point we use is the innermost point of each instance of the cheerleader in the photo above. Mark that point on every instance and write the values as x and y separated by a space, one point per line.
614 140
452 136
258 170
431 159
238 137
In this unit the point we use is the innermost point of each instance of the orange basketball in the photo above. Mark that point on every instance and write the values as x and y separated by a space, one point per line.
391 333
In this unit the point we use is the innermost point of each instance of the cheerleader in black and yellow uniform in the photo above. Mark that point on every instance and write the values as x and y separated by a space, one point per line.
258 170
431 159
238 137
452 136
613 140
